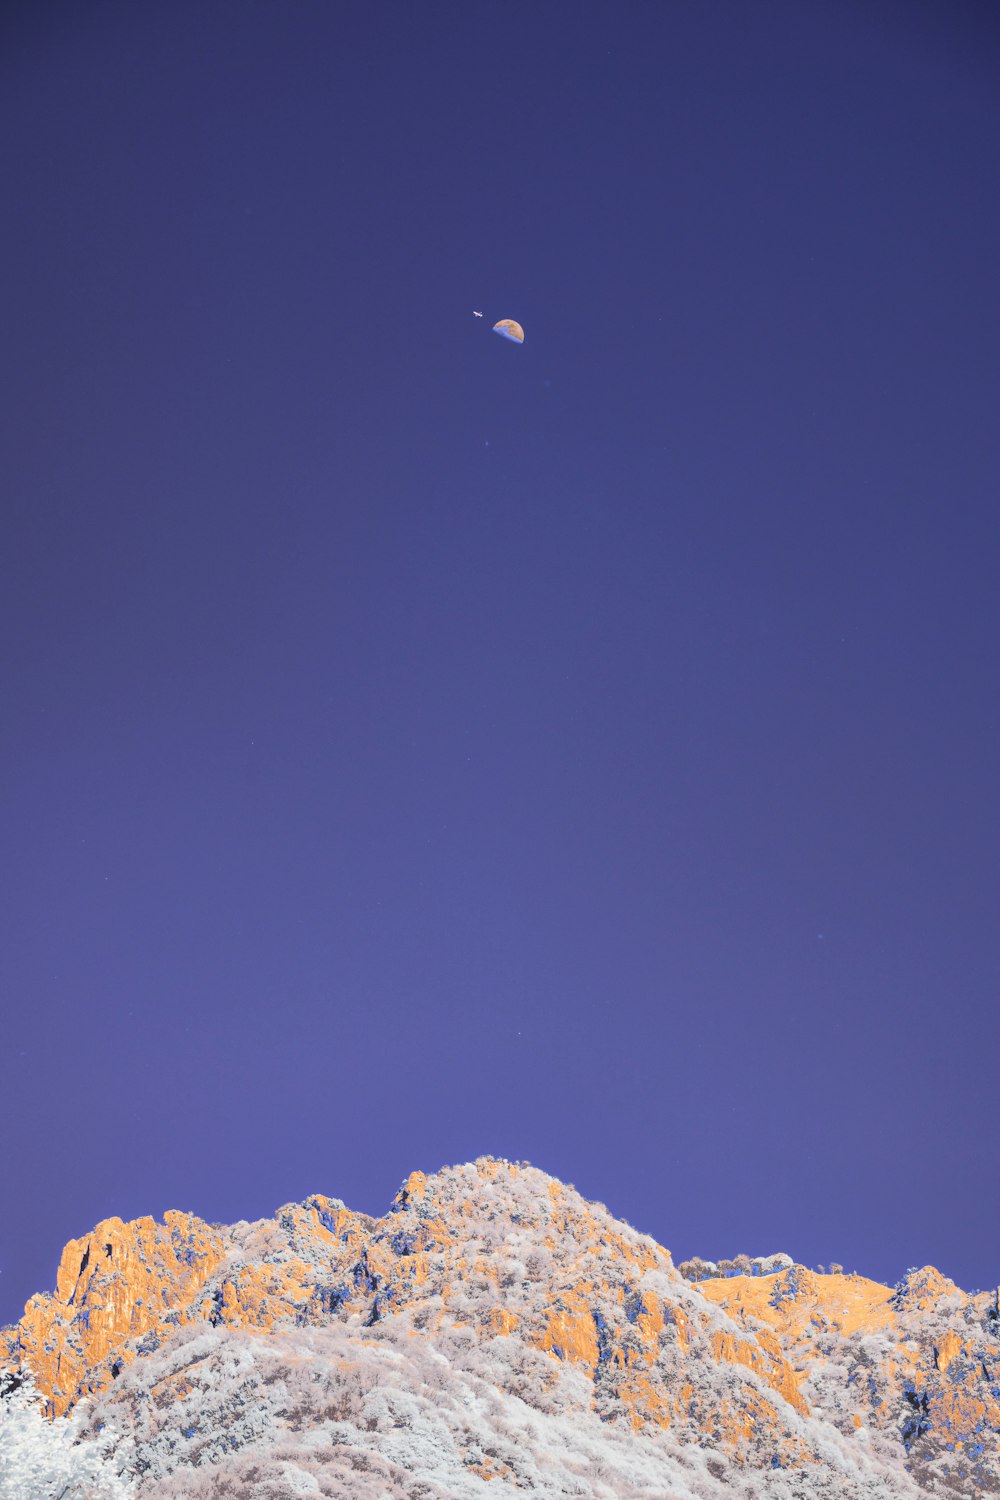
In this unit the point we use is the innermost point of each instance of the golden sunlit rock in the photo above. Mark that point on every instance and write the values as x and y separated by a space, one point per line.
755 1366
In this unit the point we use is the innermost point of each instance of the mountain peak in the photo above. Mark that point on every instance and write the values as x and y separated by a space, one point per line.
766 1364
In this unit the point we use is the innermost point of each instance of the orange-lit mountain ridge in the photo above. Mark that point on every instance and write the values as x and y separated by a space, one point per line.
494 1332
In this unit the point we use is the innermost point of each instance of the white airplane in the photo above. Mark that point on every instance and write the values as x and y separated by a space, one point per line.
477 315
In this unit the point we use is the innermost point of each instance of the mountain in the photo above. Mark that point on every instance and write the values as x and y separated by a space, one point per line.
492 1333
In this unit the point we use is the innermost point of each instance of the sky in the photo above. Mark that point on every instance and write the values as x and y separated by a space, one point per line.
416 746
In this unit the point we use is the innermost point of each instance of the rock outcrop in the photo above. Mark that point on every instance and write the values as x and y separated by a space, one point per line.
786 1379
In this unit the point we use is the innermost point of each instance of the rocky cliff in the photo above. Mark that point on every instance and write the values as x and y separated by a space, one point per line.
494 1331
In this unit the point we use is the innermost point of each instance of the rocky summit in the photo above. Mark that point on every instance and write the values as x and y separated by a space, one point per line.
493 1333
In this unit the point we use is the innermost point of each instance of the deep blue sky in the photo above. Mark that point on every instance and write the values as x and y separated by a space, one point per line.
416 746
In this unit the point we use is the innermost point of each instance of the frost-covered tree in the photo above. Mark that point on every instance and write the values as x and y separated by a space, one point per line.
44 1460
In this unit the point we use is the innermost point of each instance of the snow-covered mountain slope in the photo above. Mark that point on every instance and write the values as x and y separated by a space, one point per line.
492 1333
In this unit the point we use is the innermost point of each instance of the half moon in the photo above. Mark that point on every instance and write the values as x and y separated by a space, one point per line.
508 329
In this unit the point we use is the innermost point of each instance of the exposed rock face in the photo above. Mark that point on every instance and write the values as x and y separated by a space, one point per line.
785 1382
114 1286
